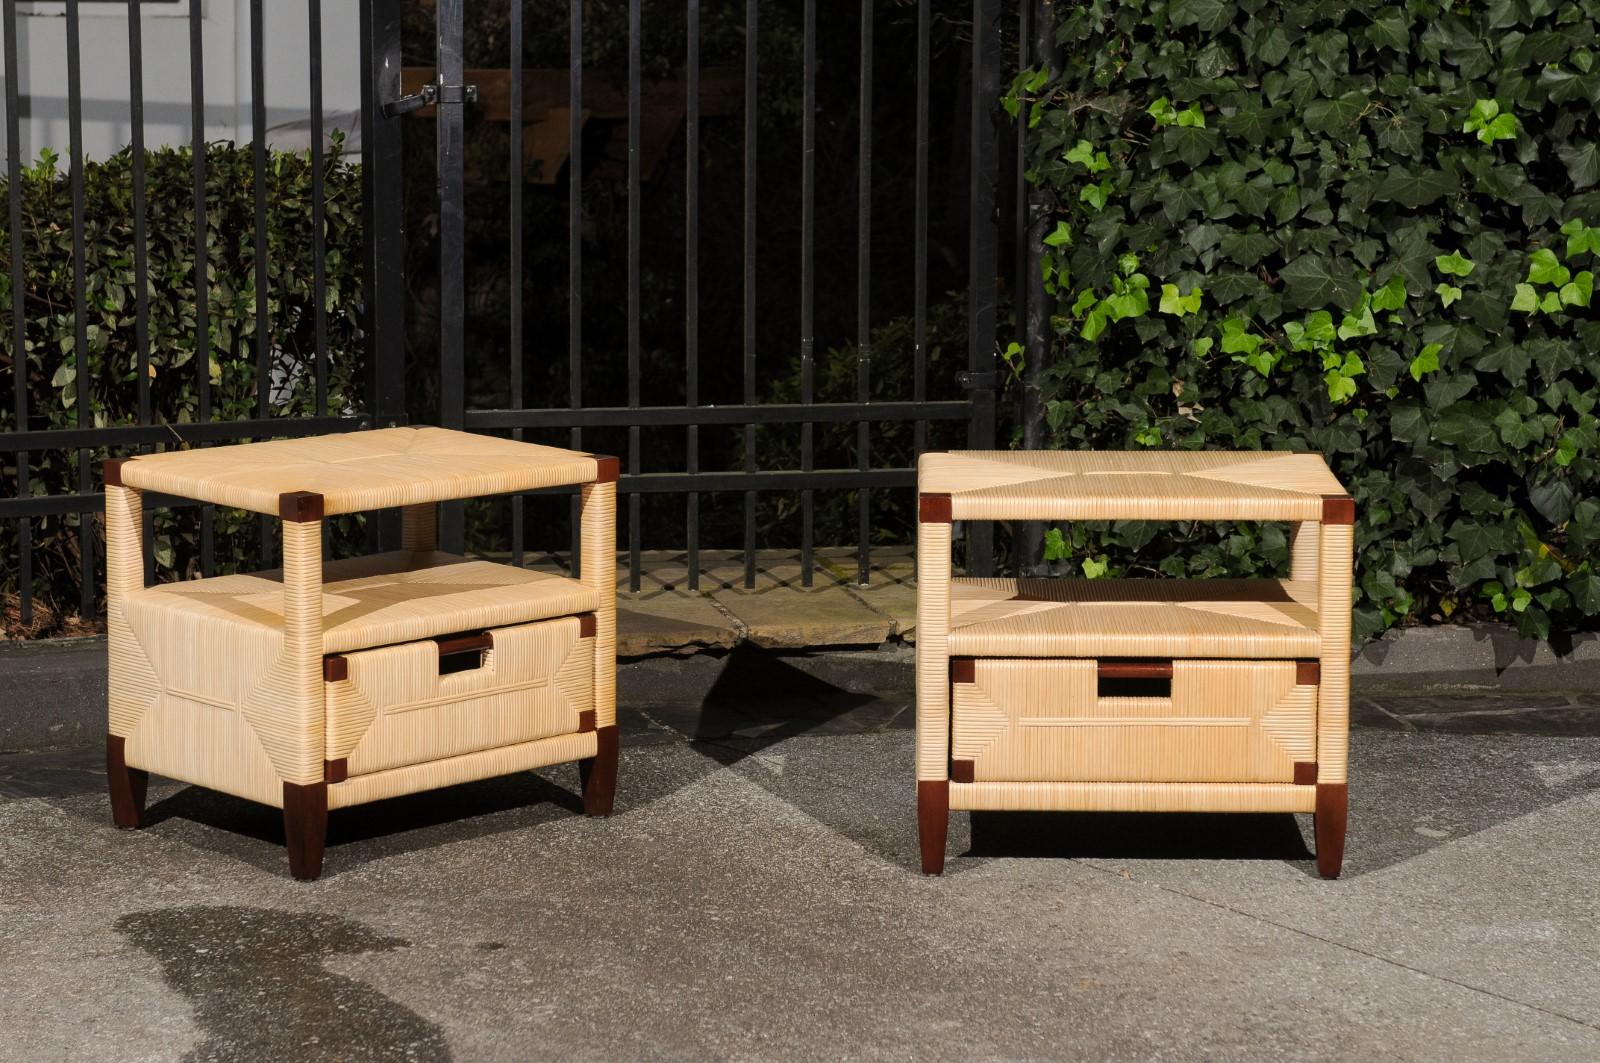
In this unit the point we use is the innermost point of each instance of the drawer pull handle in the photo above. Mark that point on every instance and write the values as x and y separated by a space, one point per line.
1135 679
463 653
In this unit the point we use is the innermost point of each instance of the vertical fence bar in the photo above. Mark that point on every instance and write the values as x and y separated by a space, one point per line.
1028 536
635 307
80 326
518 530
691 243
751 128
808 269
141 243
19 322
383 235
864 295
263 330
141 270
450 124
319 208
202 283
919 312
982 249
1036 330
575 247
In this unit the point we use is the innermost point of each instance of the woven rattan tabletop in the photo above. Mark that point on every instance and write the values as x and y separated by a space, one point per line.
1129 485
357 471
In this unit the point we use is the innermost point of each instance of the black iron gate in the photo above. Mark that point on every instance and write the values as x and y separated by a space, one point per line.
386 296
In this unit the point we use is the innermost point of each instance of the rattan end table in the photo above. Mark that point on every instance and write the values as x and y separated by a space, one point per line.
1137 695
325 685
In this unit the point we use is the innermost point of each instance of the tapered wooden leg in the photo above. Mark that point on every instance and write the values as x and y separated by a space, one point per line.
933 823
127 785
305 827
1328 825
598 773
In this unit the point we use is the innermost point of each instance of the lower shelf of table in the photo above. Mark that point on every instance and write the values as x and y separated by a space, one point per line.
468 767
1131 797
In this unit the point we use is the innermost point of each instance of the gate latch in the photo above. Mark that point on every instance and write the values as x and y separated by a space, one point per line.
977 381
432 93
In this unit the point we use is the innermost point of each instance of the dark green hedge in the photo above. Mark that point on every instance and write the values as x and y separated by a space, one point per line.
50 307
1360 229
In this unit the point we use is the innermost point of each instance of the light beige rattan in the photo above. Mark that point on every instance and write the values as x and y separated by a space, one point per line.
320 686
1240 699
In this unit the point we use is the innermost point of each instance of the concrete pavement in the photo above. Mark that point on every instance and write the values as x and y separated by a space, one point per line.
755 897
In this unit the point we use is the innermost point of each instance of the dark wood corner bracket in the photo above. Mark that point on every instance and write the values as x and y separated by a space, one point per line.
111 469
962 771
1338 509
1305 773
963 670
301 507
933 509
606 468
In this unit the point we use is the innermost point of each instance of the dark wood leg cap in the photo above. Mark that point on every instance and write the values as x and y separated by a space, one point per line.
305 827
933 823
127 786
1328 824
598 773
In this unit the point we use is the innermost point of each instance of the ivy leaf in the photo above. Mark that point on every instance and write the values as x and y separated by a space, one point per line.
1426 361
1061 237
1580 238
1176 304
1415 188
1247 248
1192 144
1315 281
1579 290
1464 425
1336 116
1209 16
1545 268
1392 31
1508 359
1448 293
1340 388
1553 499
1582 159
1401 134
1584 586
1391 296
1455 264
1526 300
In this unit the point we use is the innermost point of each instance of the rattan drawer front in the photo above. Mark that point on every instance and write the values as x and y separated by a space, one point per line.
1051 721
392 707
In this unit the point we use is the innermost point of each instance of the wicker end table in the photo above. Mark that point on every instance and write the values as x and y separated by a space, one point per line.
1134 695
325 685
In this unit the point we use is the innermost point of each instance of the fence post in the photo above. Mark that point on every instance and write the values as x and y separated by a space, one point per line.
383 233
983 237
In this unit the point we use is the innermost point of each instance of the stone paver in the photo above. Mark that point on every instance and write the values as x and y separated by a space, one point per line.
755 898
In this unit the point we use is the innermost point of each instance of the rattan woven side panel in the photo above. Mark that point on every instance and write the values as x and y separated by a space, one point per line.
598 531
1131 797
419 527
933 654
1043 721
1333 711
528 687
1305 551
132 686
469 767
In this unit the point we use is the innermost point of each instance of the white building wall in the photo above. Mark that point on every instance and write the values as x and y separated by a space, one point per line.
225 28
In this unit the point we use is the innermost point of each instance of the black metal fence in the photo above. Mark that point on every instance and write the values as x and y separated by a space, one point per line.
385 401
